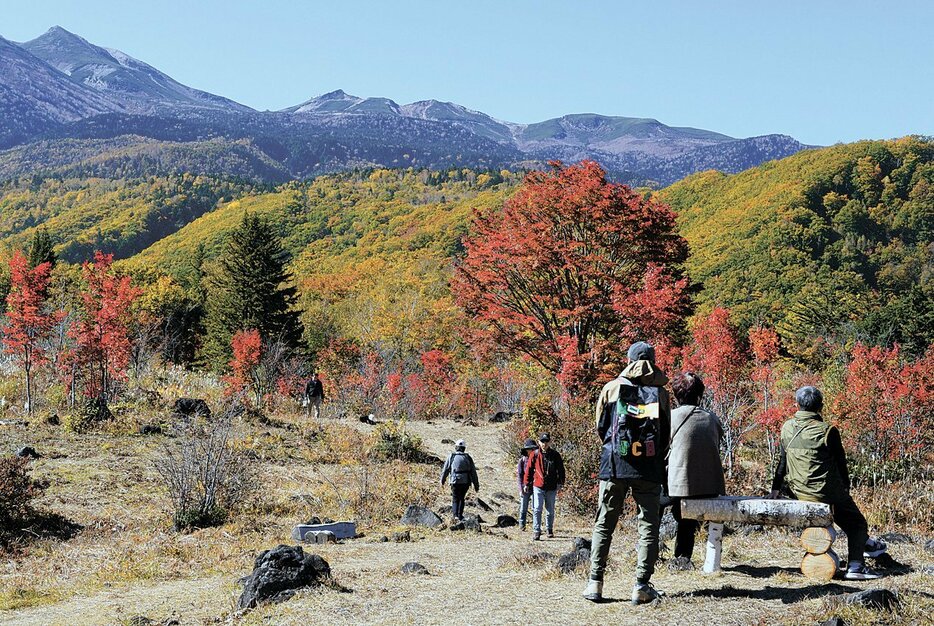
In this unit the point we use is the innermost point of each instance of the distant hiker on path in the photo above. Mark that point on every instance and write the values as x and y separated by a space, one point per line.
463 473
544 477
314 395
813 462
633 416
524 494
694 469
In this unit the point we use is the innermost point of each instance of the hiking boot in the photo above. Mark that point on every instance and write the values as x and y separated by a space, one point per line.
551 535
643 593
536 536
680 564
859 571
594 591
874 548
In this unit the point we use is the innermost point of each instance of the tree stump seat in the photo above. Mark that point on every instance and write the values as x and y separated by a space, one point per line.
819 561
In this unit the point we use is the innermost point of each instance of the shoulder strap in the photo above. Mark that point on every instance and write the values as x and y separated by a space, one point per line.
672 439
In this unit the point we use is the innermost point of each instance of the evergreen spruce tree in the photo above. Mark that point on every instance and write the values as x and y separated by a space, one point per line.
40 251
250 287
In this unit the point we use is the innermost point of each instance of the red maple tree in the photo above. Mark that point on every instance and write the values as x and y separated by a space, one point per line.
247 348
572 269
886 407
718 355
102 332
28 323
772 407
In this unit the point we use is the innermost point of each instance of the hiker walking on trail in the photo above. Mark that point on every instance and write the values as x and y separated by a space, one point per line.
694 469
314 395
524 495
633 417
813 463
544 477
463 472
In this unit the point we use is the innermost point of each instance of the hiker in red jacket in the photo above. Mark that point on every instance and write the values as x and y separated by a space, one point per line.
544 476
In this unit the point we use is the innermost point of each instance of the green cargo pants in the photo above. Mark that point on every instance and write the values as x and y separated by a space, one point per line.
610 506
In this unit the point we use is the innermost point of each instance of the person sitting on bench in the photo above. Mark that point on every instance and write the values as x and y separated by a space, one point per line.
813 463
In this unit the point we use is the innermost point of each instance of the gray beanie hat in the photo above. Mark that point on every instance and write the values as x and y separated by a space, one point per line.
641 351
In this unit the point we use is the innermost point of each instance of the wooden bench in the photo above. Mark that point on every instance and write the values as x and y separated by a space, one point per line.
819 561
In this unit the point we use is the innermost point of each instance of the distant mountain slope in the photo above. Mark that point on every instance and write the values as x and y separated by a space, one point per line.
141 88
60 86
841 234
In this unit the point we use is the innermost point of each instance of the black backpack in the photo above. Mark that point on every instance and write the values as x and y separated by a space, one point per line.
635 422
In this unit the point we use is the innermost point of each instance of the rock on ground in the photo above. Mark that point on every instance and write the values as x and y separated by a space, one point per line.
892 538
279 573
580 543
873 599
505 521
414 568
416 515
569 562
28 452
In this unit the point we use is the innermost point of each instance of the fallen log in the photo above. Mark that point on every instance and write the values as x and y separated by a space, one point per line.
816 540
752 510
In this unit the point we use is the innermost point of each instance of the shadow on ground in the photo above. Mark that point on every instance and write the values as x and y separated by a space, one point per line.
785 594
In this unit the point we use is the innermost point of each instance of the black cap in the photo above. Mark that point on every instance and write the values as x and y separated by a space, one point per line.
641 351
544 437
529 444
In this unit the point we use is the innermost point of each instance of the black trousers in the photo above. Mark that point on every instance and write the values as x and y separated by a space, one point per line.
848 517
458 495
687 528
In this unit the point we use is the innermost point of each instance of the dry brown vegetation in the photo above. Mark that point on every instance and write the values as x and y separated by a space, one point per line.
128 562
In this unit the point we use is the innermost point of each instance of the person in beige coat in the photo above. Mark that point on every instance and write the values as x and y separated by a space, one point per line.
694 468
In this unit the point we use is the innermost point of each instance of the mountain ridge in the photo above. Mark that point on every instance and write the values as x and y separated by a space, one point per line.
60 86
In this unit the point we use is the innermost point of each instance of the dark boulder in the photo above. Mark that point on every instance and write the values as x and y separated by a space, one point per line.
669 526
873 599
28 452
401 537
150 429
447 441
502 416
470 522
580 543
368 419
569 562
414 568
279 573
893 538
505 521
680 564
501 495
480 504
416 515
929 546
191 407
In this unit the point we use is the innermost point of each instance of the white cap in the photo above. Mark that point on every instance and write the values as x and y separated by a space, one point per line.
460 443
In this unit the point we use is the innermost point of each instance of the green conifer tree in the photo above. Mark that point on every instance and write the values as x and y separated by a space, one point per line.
41 251
250 287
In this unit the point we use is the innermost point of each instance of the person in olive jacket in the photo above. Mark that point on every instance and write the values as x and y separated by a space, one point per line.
694 468
813 462
633 417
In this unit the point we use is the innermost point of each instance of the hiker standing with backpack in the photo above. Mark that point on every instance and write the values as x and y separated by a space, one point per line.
544 477
633 417
463 472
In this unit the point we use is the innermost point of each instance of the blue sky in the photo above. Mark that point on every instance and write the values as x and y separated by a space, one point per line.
821 71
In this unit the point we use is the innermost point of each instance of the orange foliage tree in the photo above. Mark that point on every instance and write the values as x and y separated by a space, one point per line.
571 269
28 323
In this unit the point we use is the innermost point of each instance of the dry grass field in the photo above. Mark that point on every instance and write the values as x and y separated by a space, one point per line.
127 562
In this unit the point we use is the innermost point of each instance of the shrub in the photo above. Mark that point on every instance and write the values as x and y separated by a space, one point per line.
90 414
17 491
391 442
206 478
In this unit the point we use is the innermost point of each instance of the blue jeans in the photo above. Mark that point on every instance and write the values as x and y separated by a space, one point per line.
539 497
524 499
